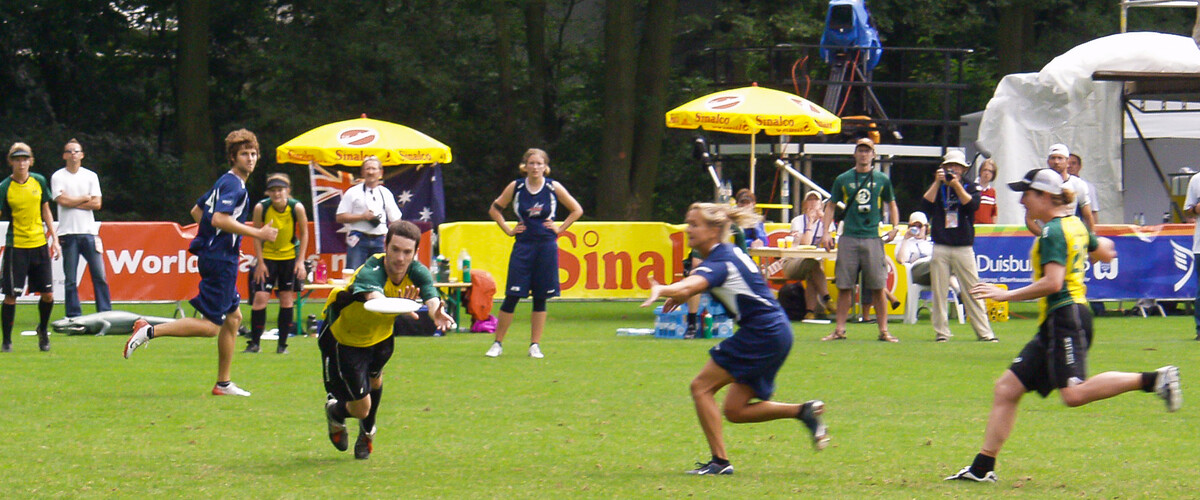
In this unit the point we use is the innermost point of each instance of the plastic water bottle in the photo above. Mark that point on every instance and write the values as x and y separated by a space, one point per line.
310 326
1140 220
433 269
726 191
443 269
320 273
464 262
708 325
1167 217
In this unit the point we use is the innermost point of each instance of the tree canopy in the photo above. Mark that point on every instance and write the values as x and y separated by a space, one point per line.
151 87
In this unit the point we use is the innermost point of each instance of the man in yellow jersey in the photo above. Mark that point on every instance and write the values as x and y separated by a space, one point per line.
25 205
280 264
356 343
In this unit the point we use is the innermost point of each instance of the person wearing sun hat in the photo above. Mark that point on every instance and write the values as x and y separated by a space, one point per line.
951 202
1056 357
25 205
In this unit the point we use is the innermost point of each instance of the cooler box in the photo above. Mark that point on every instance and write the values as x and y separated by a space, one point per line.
996 311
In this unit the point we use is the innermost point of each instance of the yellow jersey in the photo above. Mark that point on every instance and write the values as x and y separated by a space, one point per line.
21 206
286 244
353 325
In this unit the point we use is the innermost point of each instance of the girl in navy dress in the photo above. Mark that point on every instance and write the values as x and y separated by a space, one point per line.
533 265
748 361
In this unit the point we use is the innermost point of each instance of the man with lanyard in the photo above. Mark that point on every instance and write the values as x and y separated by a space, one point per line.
25 205
864 192
366 209
356 344
951 201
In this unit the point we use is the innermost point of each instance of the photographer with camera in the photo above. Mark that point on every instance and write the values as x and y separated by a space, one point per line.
864 191
366 209
951 203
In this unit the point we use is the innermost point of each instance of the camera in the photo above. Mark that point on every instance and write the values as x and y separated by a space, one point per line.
949 174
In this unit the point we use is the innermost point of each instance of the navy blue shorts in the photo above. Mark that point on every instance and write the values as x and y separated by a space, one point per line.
533 270
218 289
753 358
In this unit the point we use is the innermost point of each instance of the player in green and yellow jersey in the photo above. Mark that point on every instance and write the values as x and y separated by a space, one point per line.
280 264
356 343
25 205
1056 358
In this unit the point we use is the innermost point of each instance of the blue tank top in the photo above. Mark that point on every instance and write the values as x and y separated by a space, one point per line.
534 209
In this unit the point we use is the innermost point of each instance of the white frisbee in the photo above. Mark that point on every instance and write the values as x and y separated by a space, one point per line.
391 305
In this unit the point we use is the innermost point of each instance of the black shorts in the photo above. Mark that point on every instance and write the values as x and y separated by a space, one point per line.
21 264
1057 356
281 277
348 370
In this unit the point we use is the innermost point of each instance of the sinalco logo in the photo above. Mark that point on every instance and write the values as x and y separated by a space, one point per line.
358 137
725 102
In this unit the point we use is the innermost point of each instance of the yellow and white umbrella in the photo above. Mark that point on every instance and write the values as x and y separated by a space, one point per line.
750 110
348 142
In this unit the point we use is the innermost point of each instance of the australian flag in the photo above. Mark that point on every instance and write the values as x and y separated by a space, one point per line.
417 188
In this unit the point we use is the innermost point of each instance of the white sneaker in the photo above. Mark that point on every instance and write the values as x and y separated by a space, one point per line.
230 390
139 337
966 475
1166 385
535 352
495 351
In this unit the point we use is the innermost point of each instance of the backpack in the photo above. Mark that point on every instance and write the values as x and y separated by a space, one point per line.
791 297
478 297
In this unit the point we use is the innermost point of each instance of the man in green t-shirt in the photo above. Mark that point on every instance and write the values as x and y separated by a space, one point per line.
864 192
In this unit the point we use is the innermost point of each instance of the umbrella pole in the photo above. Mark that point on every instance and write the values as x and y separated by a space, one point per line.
752 162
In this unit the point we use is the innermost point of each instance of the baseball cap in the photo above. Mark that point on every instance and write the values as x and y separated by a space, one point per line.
918 217
1060 150
20 149
277 182
812 194
955 157
865 142
1041 179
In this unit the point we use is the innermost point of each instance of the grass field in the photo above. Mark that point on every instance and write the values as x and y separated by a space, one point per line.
602 416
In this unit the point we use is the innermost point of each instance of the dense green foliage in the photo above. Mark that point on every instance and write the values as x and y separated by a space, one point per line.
105 72
601 417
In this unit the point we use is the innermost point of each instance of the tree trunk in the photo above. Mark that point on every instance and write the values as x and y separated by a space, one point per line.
195 129
612 187
506 108
535 42
653 72
1010 39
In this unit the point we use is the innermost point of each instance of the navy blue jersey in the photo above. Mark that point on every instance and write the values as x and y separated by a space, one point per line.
534 209
734 280
228 196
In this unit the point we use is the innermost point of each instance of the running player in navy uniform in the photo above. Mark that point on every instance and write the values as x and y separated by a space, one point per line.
1056 358
221 215
533 265
748 361
280 264
356 343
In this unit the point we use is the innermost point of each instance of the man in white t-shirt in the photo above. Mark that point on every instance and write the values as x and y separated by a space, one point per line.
1191 208
366 210
76 190
1058 159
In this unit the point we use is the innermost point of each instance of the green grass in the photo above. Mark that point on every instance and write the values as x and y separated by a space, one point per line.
602 416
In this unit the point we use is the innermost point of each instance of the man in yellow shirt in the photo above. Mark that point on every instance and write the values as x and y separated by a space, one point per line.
356 343
25 205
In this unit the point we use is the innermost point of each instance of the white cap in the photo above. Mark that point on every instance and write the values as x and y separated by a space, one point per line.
1060 150
918 217
1041 179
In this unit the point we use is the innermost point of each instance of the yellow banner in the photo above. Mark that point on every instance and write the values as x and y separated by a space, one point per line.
596 260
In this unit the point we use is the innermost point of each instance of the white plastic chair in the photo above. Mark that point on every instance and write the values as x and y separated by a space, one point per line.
918 293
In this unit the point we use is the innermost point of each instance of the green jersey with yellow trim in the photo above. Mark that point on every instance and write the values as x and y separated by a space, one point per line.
1066 241
353 325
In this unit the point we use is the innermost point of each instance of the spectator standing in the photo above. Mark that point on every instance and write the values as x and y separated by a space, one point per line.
864 192
1074 166
77 193
25 205
366 210
1057 159
1191 207
280 265
951 202
987 193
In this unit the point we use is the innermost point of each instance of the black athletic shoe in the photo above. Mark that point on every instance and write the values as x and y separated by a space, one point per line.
363 445
6 347
281 349
251 348
712 469
337 428
43 340
693 331
810 414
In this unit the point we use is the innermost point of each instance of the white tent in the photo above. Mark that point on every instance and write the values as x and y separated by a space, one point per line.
1061 103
